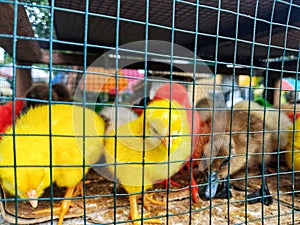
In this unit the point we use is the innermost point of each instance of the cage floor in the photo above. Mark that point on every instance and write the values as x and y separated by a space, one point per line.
100 209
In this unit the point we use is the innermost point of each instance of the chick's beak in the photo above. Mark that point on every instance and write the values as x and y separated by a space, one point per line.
165 141
32 194
209 191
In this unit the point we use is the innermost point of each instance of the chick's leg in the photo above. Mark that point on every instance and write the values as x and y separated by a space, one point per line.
65 205
135 214
62 209
194 187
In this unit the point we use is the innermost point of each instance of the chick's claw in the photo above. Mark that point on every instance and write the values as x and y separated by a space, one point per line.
65 205
135 214
148 199
63 208
148 221
56 211
154 202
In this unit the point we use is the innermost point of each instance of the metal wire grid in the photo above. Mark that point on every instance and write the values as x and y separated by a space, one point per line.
243 44
272 43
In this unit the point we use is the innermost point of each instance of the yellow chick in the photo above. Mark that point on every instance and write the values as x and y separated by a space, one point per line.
293 147
35 155
166 137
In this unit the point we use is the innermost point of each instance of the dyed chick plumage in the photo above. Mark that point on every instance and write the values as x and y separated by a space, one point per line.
6 112
156 143
33 151
293 147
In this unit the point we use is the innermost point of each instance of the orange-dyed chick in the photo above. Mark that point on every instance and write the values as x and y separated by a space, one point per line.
31 148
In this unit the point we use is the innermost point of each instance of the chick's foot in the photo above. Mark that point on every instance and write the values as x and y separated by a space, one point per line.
65 205
134 210
148 197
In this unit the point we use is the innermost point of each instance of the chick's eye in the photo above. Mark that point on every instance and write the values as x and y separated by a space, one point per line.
154 130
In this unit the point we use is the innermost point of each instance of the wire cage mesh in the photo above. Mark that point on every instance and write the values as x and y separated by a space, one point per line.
227 69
